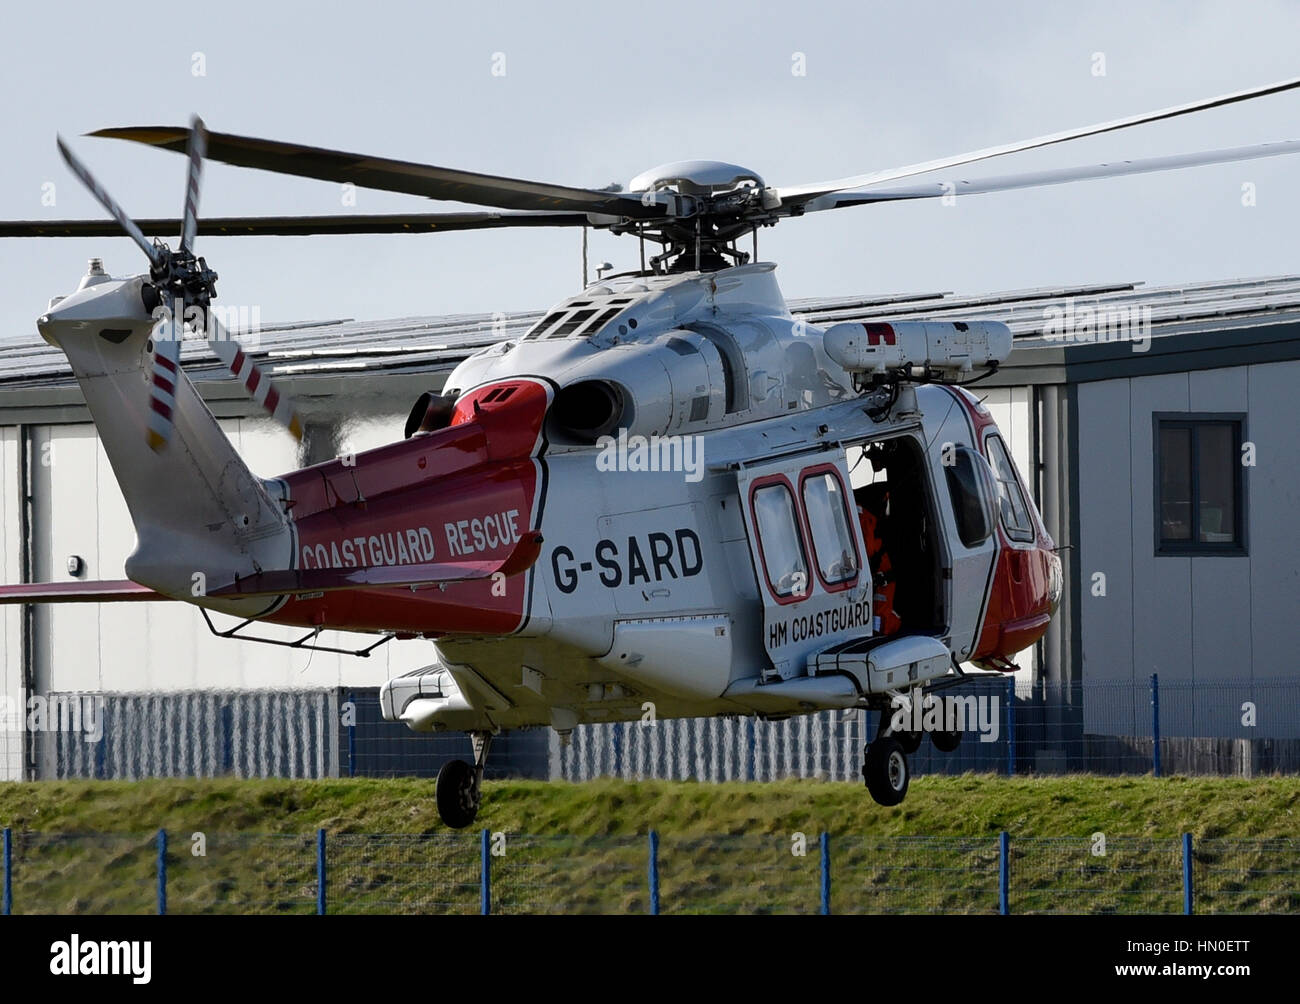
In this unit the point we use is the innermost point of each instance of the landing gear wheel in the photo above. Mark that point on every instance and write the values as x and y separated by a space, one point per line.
945 742
885 770
457 794
910 741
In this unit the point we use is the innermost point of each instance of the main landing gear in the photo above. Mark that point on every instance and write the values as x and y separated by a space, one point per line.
885 770
884 766
459 790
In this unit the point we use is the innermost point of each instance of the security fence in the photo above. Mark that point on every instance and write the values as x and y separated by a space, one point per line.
1231 727
485 872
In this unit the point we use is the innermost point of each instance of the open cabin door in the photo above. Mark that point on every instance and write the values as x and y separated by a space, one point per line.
808 556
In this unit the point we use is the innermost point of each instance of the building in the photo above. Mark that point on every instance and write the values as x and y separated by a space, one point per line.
1129 409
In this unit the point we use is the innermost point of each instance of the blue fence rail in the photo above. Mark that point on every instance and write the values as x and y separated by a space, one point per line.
518 873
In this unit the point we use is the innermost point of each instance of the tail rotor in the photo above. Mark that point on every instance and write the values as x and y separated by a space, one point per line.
181 288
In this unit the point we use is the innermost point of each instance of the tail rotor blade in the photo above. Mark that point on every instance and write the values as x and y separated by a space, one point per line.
162 392
257 384
195 151
114 210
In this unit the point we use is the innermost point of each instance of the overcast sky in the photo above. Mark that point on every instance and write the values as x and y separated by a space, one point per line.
595 94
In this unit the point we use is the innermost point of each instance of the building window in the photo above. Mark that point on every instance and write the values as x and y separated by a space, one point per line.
1200 485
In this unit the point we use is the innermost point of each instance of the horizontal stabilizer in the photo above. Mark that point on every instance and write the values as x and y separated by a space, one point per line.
317 580
111 591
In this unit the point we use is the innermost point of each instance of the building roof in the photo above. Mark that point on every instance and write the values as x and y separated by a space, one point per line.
1185 321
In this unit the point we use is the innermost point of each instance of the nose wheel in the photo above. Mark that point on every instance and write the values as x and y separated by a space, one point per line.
459 788
885 770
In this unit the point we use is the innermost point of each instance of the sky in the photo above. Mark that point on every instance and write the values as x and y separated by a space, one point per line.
596 93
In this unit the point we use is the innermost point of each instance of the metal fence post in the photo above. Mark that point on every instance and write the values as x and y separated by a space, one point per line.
162 872
1155 724
485 873
352 737
653 875
1011 725
7 903
826 873
320 873
1187 873
1004 873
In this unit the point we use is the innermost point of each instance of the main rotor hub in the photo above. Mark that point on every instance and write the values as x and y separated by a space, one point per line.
695 177
716 203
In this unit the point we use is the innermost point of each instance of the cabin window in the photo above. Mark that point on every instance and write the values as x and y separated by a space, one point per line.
1200 484
971 491
779 541
1016 520
833 544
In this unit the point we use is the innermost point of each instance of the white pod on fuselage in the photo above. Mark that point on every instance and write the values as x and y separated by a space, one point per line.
954 347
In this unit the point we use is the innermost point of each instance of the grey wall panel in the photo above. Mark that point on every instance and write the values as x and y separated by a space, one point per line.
1274 519
1162 587
1221 647
1105 532
1221 636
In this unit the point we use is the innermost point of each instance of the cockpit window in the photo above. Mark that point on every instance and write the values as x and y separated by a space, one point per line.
1011 500
572 323
603 319
542 326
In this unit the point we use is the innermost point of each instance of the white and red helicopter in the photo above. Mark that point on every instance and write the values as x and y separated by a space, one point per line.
645 500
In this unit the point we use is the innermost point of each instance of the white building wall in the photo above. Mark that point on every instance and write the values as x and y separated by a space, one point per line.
11 658
1208 625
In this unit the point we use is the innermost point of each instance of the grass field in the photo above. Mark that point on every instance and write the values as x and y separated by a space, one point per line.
89 846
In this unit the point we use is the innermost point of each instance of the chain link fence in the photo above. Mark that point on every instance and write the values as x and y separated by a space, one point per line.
485 872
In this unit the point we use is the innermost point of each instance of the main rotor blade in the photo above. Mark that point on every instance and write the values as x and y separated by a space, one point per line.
1058 176
291 226
104 199
195 150
396 175
803 193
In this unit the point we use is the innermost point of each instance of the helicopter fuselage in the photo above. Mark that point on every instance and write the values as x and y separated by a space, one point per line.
632 449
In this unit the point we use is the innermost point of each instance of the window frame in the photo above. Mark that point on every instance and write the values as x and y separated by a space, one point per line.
850 518
1014 536
1194 421
755 487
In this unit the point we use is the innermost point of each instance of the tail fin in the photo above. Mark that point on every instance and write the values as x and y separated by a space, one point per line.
200 515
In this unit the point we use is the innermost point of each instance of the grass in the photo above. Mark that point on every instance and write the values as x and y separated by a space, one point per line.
84 846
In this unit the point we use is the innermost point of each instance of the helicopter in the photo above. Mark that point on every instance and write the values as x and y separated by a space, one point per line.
652 500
